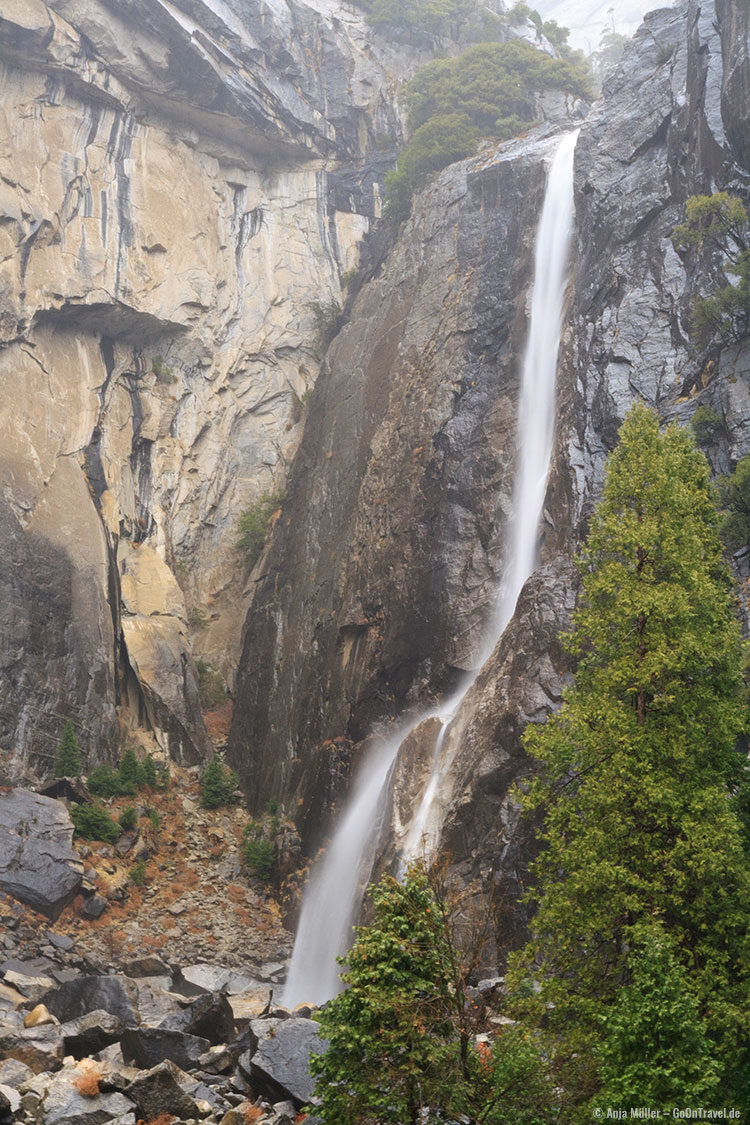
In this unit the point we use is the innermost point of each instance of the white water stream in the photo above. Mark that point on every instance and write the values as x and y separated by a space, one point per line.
334 893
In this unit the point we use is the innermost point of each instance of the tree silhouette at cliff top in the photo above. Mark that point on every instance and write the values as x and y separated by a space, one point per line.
640 769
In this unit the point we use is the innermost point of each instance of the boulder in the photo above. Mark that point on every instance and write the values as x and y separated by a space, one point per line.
147 967
64 1105
38 1016
66 789
209 1016
89 1034
148 1046
10 1102
32 987
37 863
159 1090
194 979
14 1073
156 1004
117 995
224 1061
252 1002
280 1066
94 907
40 1048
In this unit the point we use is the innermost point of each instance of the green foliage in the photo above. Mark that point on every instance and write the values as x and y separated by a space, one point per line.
399 1043
706 425
150 773
734 501
137 873
258 851
391 1043
106 782
93 822
655 1051
434 145
128 819
131 771
328 317
130 776
212 689
487 91
218 784
720 224
639 764
68 760
162 371
154 820
253 525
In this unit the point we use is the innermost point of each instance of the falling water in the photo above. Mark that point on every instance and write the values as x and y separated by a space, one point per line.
334 893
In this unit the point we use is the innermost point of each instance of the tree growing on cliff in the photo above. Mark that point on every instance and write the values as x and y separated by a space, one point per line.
719 223
640 768
218 784
488 90
68 760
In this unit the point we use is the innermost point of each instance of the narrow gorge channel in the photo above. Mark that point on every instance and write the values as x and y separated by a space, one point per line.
334 893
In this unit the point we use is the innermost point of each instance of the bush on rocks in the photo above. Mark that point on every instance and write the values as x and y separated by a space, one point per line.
93 822
218 784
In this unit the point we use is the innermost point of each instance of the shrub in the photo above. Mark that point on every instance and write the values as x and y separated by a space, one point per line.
734 501
128 819
258 851
706 425
131 771
87 1080
93 822
128 778
163 373
328 317
150 773
487 91
720 224
68 760
212 690
106 782
218 784
253 525
137 874
154 820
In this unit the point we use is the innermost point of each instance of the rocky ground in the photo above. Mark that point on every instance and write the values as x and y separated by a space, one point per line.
150 1003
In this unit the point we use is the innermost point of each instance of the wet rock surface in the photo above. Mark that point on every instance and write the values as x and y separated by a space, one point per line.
37 862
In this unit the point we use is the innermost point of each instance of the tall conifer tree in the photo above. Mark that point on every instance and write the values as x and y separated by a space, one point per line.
639 766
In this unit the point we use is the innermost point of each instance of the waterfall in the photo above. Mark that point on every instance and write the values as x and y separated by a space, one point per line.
333 895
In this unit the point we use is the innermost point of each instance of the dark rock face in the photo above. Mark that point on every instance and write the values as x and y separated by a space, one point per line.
280 1066
117 995
390 541
160 1090
90 1033
147 1046
37 862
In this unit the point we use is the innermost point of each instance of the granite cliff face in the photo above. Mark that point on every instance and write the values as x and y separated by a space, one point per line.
391 539
178 182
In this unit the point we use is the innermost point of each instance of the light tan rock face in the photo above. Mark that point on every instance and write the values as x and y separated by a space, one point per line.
179 182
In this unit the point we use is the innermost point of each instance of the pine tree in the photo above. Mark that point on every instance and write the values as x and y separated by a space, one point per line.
640 763
392 1047
68 760
218 784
